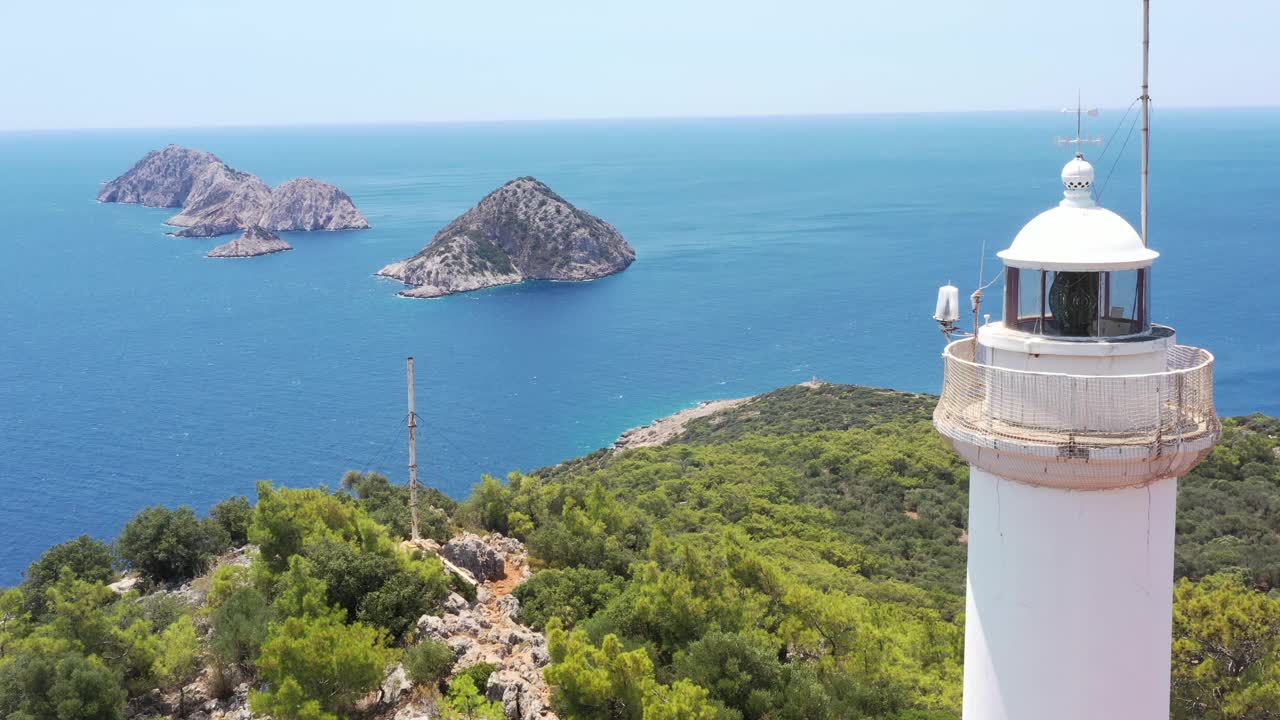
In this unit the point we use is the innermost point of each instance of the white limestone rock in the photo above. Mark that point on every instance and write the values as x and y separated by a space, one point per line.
222 197
255 241
162 178
308 204
216 199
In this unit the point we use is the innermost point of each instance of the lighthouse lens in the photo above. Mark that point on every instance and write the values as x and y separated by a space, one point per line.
1073 300
1078 304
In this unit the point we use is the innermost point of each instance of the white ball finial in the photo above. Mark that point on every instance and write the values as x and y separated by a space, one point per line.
1077 178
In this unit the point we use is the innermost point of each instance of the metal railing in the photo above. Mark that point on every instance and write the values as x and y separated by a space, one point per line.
1143 418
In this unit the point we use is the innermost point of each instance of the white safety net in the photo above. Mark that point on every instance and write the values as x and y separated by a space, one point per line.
1079 431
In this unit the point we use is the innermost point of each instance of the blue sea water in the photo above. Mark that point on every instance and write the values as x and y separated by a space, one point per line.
135 371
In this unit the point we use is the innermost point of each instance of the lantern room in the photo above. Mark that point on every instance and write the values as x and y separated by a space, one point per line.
1078 271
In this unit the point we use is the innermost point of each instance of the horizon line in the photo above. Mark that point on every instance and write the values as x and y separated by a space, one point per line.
582 119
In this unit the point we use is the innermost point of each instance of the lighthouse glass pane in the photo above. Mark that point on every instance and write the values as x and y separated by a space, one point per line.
1078 304
1123 304
1029 300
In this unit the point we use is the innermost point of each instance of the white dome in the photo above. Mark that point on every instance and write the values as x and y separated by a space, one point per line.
1078 235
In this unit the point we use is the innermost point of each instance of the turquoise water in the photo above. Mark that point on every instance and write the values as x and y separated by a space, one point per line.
133 370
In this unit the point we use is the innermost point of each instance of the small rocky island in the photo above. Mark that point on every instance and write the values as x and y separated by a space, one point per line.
255 241
216 199
521 231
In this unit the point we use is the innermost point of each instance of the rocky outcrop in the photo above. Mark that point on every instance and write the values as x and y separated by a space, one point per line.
521 231
204 230
222 197
453 265
487 631
470 552
162 178
217 199
394 685
308 204
255 241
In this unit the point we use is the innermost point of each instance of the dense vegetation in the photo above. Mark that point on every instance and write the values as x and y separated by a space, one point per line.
799 556
802 556
314 619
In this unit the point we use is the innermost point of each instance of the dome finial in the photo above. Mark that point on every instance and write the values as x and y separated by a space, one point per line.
1077 179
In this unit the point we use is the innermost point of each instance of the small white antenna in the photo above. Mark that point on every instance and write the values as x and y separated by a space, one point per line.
1080 139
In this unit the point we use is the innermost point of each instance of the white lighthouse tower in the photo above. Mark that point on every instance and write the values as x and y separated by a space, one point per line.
1077 415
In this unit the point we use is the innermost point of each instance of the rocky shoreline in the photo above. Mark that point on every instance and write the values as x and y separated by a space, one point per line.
667 429
664 430
521 231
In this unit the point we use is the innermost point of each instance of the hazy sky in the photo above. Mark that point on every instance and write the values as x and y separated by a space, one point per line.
264 62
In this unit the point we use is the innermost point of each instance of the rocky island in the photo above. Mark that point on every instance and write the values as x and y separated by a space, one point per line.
521 231
216 199
255 241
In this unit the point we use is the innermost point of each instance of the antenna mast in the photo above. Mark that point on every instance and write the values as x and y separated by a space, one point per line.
1146 110
413 460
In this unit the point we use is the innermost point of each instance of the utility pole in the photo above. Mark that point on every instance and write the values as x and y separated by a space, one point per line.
413 460
1146 111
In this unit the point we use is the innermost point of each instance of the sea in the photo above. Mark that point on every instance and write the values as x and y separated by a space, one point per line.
135 371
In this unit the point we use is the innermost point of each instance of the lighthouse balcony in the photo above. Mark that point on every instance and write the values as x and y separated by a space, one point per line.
1080 432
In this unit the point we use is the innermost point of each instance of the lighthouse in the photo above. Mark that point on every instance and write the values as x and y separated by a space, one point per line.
1077 415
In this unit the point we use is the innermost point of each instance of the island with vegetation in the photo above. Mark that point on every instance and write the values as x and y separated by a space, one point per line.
521 231
216 199
798 555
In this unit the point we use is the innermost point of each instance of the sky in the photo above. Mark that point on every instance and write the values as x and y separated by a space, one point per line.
186 63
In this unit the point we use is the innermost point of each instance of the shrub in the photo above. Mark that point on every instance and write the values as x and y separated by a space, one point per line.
479 674
287 520
386 503
68 686
467 700
428 662
234 515
239 627
741 671
178 657
87 559
489 505
163 609
168 545
372 588
299 593
572 594
89 618
327 662
389 505
225 582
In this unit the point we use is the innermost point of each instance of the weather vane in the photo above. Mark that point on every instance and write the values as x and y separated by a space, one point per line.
1080 138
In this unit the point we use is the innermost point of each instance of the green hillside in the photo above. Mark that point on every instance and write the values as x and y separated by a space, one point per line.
799 556
819 531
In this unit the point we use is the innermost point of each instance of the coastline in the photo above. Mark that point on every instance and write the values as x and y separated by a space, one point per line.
408 291
665 429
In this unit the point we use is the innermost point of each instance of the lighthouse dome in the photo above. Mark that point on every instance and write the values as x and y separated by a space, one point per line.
1078 234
